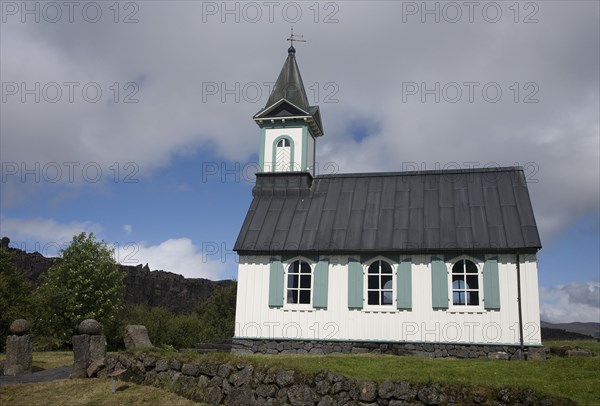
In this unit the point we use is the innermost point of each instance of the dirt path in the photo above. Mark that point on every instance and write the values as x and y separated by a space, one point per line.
46 375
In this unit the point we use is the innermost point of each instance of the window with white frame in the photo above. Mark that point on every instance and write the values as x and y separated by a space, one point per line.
380 286
466 284
299 283
283 155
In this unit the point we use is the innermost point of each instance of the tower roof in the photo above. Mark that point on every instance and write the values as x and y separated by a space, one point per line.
289 84
288 99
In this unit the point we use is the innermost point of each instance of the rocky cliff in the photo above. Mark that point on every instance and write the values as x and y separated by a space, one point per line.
142 286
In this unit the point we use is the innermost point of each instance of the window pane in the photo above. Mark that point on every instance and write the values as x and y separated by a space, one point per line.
385 267
305 281
458 298
386 297
457 267
374 267
471 267
472 282
305 296
373 297
292 281
292 296
294 267
304 267
473 298
373 282
386 282
458 282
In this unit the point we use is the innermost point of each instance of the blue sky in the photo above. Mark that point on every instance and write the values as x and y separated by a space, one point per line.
176 146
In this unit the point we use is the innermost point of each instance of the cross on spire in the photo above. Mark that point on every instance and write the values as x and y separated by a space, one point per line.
297 38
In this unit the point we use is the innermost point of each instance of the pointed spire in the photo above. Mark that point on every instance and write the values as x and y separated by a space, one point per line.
289 84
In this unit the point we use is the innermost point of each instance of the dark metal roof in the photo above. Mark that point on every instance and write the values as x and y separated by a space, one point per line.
289 85
456 210
288 98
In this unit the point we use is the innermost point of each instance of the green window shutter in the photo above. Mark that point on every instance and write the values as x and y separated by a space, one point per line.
355 284
439 284
491 285
321 284
276 283
404 285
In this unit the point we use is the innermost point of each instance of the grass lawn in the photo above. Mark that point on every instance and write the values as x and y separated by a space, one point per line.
49 359
87 392
575 378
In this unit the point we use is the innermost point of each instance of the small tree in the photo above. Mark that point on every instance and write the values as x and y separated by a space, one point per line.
85 283
15 293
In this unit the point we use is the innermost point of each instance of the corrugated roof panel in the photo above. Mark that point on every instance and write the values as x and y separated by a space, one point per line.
497 237
287 213
475 190
430 182
260 214
492 207
447 227
314 212
524 206
343 211
271 218
401 218
432 209
372 210
446 196
368 239
400 238
326 226
431 238
464 238
512 226
333 190
375 184
385 228
388 196
505 190
416 192
359 199
415 227
355 228
479 227
531 236
402 200
348 184
461 209
296 228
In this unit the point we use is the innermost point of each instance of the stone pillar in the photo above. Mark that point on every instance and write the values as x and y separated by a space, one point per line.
89 349
19 349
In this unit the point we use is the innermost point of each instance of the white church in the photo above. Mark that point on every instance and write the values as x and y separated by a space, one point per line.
434 263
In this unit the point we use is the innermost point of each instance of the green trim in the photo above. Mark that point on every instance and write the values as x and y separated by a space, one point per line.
287 124
439 284
292 147
276 283
355 284
321 284
304 152
404 285
491 285
261 152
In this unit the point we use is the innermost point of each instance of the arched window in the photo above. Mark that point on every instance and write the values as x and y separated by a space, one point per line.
283 155
380 290
465 283
299 283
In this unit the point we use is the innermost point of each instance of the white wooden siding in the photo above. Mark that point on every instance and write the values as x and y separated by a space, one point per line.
254 318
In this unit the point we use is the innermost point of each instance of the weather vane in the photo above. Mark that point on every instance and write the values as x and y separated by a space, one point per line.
297 38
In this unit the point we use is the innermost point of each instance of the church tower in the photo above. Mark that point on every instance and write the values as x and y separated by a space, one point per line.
289 125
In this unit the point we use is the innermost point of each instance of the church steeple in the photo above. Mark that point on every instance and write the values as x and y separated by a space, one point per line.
289 124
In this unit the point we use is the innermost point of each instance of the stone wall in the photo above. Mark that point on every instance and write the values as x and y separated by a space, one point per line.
240 383
429 350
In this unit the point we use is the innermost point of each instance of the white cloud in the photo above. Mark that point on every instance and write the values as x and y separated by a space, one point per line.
178 255
44 235
127 228
571 303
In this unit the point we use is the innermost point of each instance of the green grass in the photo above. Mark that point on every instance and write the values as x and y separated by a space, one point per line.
87 392
575 378
48 359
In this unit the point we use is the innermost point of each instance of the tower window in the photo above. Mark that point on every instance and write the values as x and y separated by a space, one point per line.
284 142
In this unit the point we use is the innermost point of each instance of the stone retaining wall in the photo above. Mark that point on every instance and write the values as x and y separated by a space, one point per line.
430 350
240 383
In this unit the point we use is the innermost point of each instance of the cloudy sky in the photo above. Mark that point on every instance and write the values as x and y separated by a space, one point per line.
133 119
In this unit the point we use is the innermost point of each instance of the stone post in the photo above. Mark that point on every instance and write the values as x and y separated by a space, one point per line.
19 349
89 349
